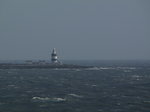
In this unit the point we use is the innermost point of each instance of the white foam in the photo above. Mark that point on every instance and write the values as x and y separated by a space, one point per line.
55 99
75 95
94 85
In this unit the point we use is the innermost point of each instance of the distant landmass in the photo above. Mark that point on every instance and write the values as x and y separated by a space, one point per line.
29 64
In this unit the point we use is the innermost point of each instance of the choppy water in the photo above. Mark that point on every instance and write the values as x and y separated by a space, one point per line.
108 88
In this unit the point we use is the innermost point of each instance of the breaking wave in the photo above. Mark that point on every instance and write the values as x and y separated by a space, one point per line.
45 99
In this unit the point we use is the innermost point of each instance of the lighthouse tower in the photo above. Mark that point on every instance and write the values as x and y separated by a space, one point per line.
54 57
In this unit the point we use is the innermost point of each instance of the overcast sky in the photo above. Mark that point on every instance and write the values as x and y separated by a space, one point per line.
78 29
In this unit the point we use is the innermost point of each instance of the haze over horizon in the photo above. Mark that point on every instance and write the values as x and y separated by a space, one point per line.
87 29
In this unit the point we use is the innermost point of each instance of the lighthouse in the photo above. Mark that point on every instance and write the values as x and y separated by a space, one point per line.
54 57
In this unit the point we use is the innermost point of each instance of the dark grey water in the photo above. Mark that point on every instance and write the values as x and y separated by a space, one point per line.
112 87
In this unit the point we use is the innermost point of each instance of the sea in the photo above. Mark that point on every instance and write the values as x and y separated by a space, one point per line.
109 86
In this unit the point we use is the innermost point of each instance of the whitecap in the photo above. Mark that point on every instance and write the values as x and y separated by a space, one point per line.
75 95
93 68
45 99
94 85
